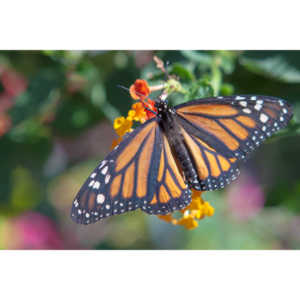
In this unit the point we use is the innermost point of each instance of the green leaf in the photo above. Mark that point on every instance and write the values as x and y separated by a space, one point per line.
228 59
37 95
183 73
200 89
226 89
274 67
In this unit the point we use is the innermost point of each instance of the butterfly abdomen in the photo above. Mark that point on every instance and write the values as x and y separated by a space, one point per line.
170 127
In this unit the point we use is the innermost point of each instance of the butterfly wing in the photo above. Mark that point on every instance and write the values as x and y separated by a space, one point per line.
138 173
220 131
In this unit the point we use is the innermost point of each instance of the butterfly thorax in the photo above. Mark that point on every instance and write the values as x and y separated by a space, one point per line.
168 122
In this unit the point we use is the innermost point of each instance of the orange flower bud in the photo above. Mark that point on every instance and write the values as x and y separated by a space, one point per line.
139 90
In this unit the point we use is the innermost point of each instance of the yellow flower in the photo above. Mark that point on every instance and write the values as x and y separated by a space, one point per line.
140 112
196 210
188 222
122 125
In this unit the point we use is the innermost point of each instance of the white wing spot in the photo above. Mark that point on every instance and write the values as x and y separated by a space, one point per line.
91 183
281 119
264 128
93 175
79 211
96 185
258 106
102 164
87 215
107 178
247 110
260 101
264 118
104 170
284 110
76 203
100 198
107 206
239 98
243 103
253 98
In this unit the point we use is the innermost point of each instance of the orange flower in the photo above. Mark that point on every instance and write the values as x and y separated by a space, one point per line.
139 90
140 113
150 104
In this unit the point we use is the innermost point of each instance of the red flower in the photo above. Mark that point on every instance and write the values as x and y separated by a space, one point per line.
139 90
150 104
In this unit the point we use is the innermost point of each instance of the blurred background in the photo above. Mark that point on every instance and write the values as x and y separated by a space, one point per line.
56 115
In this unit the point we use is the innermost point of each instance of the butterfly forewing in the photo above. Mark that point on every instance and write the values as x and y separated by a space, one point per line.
139 173
220 131
234 126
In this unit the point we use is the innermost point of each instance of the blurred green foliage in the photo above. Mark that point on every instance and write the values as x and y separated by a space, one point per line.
53 109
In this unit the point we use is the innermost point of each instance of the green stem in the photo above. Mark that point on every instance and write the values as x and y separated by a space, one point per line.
216 73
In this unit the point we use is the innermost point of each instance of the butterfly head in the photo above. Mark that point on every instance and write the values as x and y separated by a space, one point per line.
161 106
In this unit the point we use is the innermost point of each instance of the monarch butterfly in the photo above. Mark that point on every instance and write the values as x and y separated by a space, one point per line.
192 145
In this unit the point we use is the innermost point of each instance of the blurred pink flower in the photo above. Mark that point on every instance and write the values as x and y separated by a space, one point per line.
246 198
13 84
33 231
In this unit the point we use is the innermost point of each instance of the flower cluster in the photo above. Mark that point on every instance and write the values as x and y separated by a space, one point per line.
197 210
140 90
12 84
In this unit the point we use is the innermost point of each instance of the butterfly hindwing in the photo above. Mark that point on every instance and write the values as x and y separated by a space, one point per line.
214 169
220 131
171 192
127 179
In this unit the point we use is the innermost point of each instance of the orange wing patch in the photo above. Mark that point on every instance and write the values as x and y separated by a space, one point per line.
225 165
172 186
164 196
246 121
127 154
172 163
128 184
115 186
154 200
215 129
197 155
214 168
161 165
217 110
143 166
236 129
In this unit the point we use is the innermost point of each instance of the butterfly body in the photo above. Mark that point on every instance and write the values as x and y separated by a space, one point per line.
197 144
168 121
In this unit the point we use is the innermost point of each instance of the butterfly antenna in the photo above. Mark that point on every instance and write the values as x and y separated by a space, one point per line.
139 94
